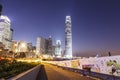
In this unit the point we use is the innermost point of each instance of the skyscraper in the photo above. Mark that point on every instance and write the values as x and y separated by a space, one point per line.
6 32
40 46
0 9
68 38
58 48
49 46
44 46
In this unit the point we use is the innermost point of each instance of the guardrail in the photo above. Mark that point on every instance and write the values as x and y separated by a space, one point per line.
28 75
92 74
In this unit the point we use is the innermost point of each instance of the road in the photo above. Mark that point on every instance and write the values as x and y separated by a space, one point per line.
55 73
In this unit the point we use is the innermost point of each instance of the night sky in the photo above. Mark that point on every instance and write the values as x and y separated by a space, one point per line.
95 23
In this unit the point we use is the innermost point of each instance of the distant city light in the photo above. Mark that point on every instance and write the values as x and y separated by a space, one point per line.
23 45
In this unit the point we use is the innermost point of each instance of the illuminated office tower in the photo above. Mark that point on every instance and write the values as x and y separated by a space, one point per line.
68 38
40 46
58 48
44 46
6 32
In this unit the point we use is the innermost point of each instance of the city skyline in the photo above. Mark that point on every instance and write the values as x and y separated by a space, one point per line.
95 24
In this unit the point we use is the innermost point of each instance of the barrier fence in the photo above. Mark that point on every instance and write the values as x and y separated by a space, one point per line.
100 76
105 68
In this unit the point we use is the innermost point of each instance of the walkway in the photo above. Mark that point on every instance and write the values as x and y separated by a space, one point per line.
51 72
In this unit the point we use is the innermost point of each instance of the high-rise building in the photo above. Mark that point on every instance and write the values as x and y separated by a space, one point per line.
49 50
44 46
40 45
30 47
11 33
68 37
53 50
58 50
0 9
6 32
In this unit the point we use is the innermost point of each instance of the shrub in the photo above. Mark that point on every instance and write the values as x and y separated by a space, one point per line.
11 68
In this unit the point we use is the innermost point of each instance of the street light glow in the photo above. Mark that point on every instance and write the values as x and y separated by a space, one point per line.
23 45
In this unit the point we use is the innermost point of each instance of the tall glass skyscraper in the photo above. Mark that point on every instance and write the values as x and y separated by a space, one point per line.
68 38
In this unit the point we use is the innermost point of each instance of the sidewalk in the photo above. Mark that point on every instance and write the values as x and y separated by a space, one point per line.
50 72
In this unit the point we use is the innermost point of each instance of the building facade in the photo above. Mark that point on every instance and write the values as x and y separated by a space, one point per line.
44 46
22 46
19 47
49 46
40 45
58 50
68 37
14 46
6 32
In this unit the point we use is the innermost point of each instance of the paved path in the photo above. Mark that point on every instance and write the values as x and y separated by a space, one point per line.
55 73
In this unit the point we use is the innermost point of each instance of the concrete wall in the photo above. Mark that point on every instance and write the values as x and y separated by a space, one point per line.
100 65
28 75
